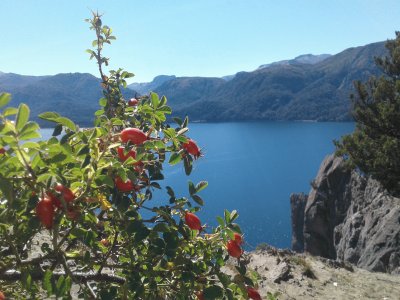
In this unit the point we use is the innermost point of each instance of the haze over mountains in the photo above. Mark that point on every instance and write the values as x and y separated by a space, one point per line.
309 87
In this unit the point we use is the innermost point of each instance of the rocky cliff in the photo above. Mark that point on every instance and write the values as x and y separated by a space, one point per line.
348 217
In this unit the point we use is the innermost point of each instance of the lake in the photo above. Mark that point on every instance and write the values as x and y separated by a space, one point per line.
253 168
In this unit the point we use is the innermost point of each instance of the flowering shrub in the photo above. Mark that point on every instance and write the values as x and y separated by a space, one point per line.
84 197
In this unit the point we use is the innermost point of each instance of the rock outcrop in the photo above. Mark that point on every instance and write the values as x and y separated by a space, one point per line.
348 217
298 204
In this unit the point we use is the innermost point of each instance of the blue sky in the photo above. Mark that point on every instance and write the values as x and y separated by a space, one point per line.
186 37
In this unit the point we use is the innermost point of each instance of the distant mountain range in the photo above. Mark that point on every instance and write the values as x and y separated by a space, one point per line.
74 95
308 87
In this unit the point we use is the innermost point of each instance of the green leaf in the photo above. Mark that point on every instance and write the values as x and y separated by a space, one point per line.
170 191
117 122
234 215
86 161
73 253
192 189
6 188
103 102
47 285
165 109
201 186
60 284
175 158
213 292
29 127
177 120
227 216
85 150
187 162
9 111
104 180
66 122
30 135
31 145
49 116
161 227
220 221
198 199
44 177
22 116
163 101
154 100
4 99
170 132
23 157
57 130
185 122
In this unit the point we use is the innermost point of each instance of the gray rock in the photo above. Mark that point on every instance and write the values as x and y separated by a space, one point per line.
298 205
350 218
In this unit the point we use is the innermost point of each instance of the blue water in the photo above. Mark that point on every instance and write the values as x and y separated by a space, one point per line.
253 168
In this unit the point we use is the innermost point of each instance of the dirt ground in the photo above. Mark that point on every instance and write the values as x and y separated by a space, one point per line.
292 276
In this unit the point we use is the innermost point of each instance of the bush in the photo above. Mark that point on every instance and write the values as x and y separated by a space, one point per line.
86 196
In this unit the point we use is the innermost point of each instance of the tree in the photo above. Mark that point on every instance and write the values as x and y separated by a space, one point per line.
374 146
85 198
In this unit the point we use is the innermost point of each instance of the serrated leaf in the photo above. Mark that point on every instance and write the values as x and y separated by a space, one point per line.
4 99
201 186
22 116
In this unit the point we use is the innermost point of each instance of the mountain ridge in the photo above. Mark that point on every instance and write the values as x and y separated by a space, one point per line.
316 91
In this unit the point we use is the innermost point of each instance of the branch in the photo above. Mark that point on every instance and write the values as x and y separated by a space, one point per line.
78 276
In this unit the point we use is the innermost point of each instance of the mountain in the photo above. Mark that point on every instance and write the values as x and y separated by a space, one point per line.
282 91
74 95
309 87
301 59
146 87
